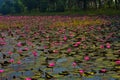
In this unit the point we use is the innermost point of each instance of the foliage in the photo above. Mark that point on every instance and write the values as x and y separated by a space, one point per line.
30 6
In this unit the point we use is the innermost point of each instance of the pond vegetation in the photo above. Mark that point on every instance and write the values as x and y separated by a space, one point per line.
59 48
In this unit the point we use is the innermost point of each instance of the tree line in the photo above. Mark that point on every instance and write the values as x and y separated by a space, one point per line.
21 6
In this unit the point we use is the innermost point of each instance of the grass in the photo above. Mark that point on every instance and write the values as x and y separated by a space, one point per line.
90 12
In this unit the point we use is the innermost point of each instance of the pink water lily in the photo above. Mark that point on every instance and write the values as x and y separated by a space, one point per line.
19 62
45 47
103 70
86 58
77 44
3 34
65 38
23 35
29 43
35 53
91 27
71 34
1 70
56 43
20 51
74 64
11 60
69 50
51 64
101 46
26 48
55 51
19 44
10 52
117 62
81 72
99 28
2 41
28 79
108 45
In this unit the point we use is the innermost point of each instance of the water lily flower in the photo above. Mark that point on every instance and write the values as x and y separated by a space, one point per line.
28 79
20 51
69 50
117 62
19 62
45 47
51 64
86 58
99 28
3 34
29 43
23 35
1 70
35 53
55 51
91 27
108 45
71 34
81 72
19 44
10 52
101 46
74 64
65 38
77 44
103 70
26 49
2 41
11 60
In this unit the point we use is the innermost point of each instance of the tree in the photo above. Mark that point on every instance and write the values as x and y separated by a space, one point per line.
84 4
30 4
117 4
7 7
51 5
100 3
1 2
42 5
60 6
18 6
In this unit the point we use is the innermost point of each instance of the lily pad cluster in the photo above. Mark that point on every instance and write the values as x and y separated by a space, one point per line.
52 48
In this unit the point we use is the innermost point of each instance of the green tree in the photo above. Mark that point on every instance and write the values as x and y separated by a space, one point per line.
30 4
7 7
60 6
42 5
117 4
84 4
18 6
